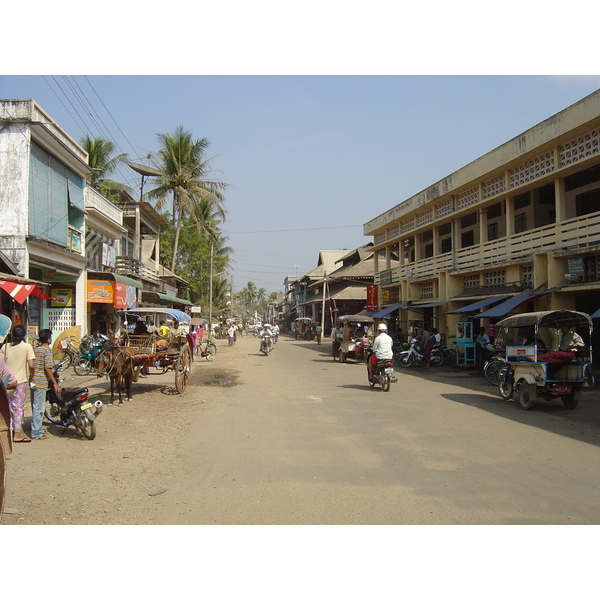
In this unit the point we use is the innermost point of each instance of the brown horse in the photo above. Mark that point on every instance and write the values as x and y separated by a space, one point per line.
119 364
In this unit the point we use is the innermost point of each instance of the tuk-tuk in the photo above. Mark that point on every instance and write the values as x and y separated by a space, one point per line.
357 336
304 328
536 366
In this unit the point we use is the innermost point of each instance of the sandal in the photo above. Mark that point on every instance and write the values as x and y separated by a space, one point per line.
21 439
44 436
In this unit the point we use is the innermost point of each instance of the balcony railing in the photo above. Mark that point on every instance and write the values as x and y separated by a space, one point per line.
576 233
94 199
125 265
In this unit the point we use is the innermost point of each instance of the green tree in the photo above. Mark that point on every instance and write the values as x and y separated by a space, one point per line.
102 163
184 180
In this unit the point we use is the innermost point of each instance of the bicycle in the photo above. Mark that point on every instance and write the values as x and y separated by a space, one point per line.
210 350
492 368
69 353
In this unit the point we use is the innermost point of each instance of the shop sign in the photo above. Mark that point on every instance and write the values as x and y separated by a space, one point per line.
61 298
372 304
385 297
109 256
575 266
125 295
100 291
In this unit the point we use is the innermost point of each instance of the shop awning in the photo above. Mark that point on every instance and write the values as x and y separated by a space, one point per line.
427 304
108 275
477 305
386 311
21 291
163 298
596 315
505 307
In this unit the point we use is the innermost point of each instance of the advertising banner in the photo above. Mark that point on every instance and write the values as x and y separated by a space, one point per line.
100 291
372 304
125 295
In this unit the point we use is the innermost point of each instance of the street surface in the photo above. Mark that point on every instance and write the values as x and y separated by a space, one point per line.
296 438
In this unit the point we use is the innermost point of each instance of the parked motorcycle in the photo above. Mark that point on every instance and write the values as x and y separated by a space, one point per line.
415 355
90 349
72 407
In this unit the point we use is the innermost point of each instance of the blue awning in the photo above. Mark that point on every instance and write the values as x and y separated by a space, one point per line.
505 307
387 310
477 305
428 304
596 315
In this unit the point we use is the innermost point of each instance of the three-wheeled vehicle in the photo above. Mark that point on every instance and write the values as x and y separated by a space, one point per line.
355 339
174 353
535 366
303 327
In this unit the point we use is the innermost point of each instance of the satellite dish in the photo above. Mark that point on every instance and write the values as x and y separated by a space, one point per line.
143 170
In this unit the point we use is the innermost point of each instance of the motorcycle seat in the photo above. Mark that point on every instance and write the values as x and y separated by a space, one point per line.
70 392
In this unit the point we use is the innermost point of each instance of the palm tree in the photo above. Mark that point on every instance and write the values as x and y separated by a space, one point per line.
183 178
102 163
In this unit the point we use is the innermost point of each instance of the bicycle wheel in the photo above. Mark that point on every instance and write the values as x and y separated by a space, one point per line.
491 370
449 356
62 355
210 352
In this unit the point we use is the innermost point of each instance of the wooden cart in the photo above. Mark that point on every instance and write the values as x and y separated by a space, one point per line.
150 350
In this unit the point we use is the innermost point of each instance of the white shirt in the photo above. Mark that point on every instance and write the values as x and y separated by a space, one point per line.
382 346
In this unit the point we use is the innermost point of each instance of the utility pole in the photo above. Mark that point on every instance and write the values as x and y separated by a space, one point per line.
210 292
323 309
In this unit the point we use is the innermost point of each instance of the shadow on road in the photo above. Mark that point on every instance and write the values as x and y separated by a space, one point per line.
582 423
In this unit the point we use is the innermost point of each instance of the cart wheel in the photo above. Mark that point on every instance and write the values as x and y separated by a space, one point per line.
527 394
572 400
182 369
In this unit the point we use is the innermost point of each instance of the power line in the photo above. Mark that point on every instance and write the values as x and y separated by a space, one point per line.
289 230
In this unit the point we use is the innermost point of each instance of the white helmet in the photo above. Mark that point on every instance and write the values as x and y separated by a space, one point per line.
382 327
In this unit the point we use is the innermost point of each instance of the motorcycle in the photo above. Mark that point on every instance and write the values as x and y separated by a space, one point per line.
415 355
90 349
383 374
72 407
265 345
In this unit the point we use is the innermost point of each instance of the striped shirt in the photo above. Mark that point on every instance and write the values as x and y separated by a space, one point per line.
43 358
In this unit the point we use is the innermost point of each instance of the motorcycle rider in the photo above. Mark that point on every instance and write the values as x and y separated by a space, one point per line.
265 334
382 349
275 331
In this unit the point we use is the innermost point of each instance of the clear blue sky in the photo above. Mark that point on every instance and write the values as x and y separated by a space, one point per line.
309 158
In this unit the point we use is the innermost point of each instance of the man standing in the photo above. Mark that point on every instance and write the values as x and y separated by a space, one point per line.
40 382
382 349
336 338
319 332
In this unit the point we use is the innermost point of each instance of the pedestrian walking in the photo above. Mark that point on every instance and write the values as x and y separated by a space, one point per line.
19 357
319 331
231 334
41 380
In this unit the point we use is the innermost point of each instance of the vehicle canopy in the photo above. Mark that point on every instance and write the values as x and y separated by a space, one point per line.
155 315
303 319
549 318
355 319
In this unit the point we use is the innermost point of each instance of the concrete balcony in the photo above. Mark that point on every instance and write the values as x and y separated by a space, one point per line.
571 235
125 265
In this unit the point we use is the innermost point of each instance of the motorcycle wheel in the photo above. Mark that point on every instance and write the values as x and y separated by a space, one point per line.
52 413
385 383
491 370
449 356
87 427
436 359
211 352
527 394
406 360
505 385
61 355
82 366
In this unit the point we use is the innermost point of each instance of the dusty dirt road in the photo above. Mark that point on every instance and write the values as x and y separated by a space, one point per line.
295 438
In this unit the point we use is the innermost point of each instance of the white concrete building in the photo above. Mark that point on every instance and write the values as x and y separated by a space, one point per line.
42 224
517 229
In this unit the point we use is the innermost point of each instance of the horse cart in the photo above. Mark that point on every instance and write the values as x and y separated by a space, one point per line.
174 352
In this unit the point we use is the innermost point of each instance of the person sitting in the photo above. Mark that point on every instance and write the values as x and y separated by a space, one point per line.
484 345
382 349
140 327
570 340
163 330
